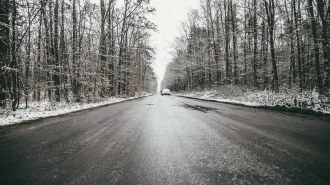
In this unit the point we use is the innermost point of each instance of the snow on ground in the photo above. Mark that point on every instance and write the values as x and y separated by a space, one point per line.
306 101
291 100
44 109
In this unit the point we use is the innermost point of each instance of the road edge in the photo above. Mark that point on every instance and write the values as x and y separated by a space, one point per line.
27 122
273 108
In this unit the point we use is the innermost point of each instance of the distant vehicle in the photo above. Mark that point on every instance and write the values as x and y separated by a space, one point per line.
165 92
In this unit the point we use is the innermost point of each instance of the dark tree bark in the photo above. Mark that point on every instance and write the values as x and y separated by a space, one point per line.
28 57
217 51
270 12
63 57
4 50
56 52
233 25
102 41
36 88
75 71
300 73
13 63
227 42
111 45
292 71
122 51
245 50
47 48
264 54
324 16
210 33
255 44
316 47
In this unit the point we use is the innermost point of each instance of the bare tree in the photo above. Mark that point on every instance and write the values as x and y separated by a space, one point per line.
316 46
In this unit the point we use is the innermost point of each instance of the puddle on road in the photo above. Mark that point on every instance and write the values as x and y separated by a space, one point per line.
198 108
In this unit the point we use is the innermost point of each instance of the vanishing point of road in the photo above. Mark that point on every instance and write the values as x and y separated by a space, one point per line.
168 140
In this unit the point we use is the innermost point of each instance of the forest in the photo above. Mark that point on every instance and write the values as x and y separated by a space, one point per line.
278 46
74 50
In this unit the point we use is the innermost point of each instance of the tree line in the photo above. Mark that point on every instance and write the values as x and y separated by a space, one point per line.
268 44
73 50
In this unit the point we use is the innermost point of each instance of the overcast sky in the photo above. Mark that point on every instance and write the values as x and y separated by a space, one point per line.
168 17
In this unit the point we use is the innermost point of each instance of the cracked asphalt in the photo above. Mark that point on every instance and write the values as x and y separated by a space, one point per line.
168 140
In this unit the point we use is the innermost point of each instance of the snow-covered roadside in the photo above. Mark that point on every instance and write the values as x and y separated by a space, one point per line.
300 102
44 109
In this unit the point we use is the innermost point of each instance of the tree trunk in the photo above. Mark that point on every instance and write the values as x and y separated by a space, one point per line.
298 45
265 55
325 39
255 44
122 50
111 49
56 52
65 68
74 72
47 48
233 21
13 63
270 11
210 33
227 78
102 44
28 58
245 46
316 47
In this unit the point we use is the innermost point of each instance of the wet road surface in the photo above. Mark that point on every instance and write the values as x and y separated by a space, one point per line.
168 140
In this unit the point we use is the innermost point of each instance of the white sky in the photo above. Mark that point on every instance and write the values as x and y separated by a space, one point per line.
168 18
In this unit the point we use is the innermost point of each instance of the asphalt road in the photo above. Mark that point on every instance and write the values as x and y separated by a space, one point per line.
168 140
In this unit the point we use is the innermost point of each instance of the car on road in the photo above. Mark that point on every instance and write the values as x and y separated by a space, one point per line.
165 92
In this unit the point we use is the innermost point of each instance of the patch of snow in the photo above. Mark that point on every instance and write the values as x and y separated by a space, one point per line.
291 100
44 109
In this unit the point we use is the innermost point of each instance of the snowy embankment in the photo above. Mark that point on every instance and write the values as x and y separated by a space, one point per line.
45 109
286 100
